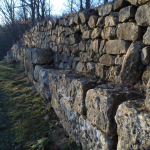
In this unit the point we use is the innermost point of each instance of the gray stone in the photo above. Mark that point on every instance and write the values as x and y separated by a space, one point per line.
84 16
60 48
61 65
96 45
129 73
81 67
142 15
129 31
41 56
75 49
119 4
77 19
82 46
86 35
127 13
145 55
84 27
133 2
36 72
100 22
117 46
102 49
85 57
107 60
74 38
90 67
105 10
111 21
147 100
101 108
96 33
67 50
146 76
119 60
57 57
132 120
64 57
92 21
109 33
146 37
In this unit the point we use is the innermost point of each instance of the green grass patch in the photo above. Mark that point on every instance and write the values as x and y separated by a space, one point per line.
22 112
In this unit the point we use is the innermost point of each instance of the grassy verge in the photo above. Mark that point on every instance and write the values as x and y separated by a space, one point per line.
26 120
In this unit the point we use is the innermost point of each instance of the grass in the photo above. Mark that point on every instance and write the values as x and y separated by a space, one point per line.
22 112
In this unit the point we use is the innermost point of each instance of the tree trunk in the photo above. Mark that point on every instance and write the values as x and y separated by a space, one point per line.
87 4
105 1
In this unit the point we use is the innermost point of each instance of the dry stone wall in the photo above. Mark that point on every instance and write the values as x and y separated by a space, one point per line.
102 110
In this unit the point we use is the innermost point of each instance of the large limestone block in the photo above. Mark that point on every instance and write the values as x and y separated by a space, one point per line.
70 87
145 55
84 16
129 73
119 4
126 13
133 128
109 33
129 31
101 104
92 21
142 15
117 46
146 37
105 10
107 60
41 56
96 33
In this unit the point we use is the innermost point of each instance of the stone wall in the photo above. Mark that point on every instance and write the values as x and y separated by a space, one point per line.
105 107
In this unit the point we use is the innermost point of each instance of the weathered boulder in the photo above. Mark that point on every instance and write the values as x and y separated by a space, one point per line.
145 55
92 21
142 15
105 10
127 13
107 60
100 22
146 37
117 46
95 45
146 75
129 31
41 56
67 50
96 33
109 33
101 108
133 128
120 4
111 21
77 19
129 73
